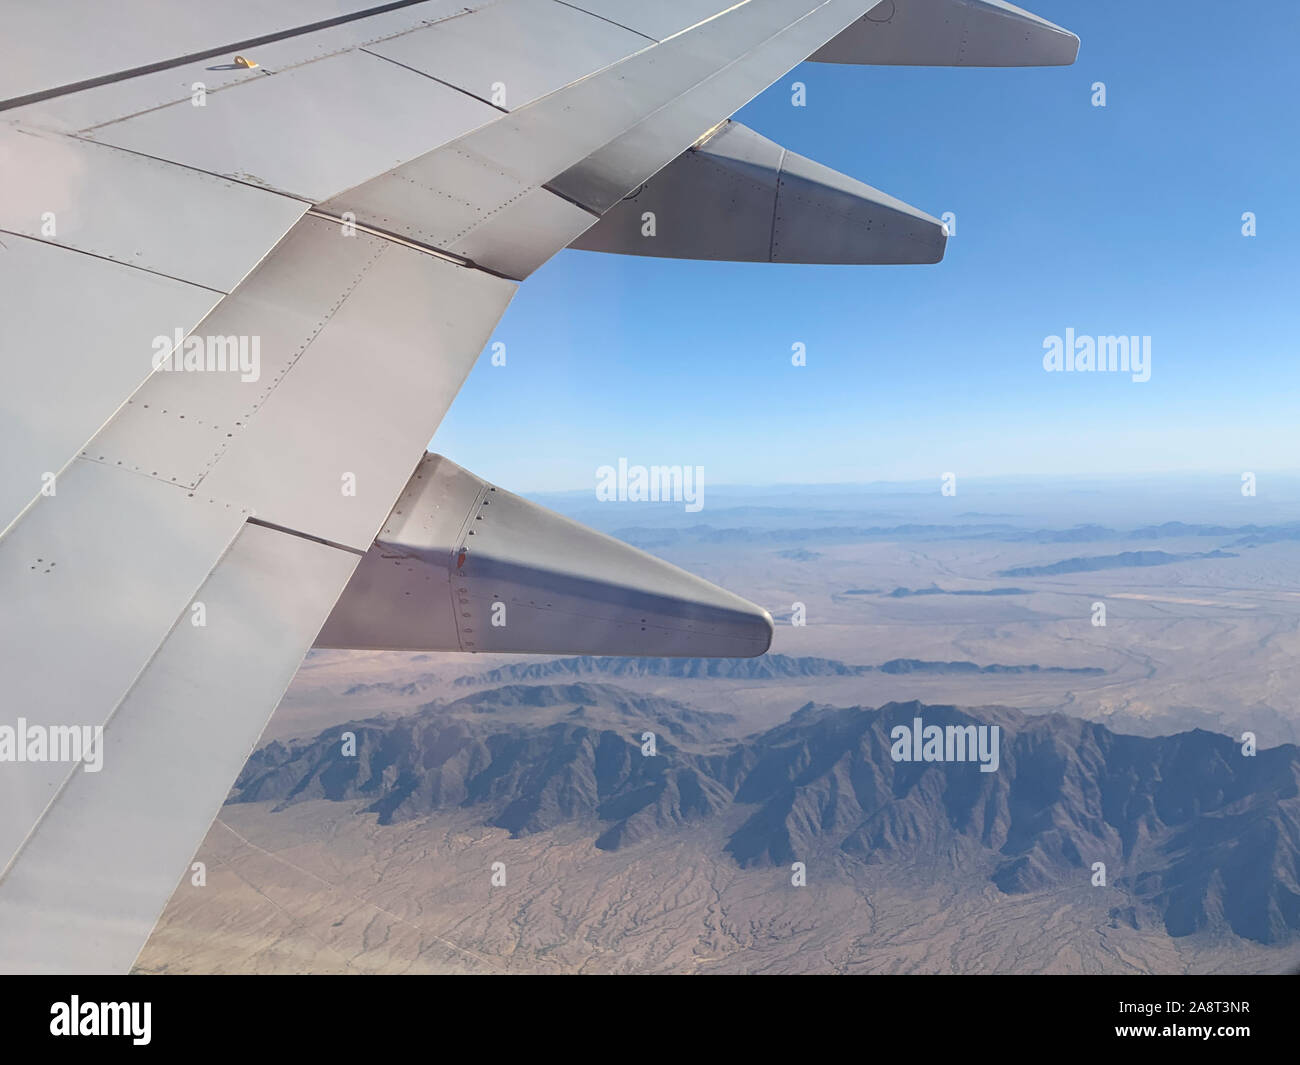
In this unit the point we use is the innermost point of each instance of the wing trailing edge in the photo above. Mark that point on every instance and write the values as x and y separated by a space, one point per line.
740 197
461 565
951 33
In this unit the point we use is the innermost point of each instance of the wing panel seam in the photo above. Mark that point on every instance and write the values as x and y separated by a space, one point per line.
209 53
116 262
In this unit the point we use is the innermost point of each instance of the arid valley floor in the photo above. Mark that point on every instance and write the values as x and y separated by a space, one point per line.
1121 745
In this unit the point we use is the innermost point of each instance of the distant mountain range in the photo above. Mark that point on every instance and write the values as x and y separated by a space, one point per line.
1122 560
916 665
765 667
934 589
1193 833
1246 535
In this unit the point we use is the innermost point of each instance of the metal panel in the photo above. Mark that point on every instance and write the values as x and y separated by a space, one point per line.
435 199
180 424
524 234
542 140
110 38
92 580
90 884
519 578
658 20
364 344
511 53
610 173
67 371
106 103
366 395
139 211
312 131
514 239
951 33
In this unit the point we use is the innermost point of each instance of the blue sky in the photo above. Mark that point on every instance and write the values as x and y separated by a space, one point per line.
1117 220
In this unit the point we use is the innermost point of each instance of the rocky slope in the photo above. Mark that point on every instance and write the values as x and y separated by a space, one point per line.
1202 836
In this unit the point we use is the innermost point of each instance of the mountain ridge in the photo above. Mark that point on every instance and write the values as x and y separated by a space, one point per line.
766 667
1201 835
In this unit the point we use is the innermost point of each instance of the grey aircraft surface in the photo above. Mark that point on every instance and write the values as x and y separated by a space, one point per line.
250 252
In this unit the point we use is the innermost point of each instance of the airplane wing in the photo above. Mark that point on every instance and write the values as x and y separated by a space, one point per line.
249 253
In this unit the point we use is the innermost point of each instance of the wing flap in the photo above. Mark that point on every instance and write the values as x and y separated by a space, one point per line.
464 566
741 197
951 33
